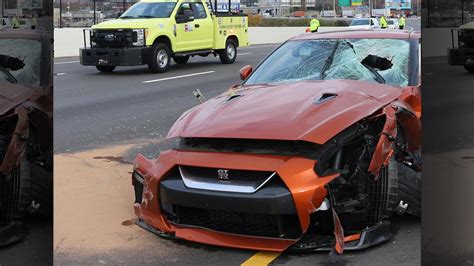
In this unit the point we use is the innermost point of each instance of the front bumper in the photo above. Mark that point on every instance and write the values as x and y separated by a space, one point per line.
115 56
290 205
461 56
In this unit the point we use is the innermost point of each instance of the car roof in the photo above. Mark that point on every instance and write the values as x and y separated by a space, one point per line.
360 34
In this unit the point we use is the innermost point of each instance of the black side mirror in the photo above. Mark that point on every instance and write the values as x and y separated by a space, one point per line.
186 17
119 14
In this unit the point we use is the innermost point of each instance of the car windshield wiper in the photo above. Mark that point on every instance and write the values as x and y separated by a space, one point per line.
10 78
376 74
329 60
145 16
125 17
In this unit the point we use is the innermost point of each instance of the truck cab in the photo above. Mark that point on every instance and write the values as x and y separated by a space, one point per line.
153 32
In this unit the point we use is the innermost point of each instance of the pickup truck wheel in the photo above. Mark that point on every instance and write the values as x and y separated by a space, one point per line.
229 54
105 69
160 61
469 68
181 60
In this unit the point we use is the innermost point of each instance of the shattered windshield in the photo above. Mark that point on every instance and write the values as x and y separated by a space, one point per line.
20 61
149 10
375 60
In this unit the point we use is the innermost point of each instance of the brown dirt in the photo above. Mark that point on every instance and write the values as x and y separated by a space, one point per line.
93 199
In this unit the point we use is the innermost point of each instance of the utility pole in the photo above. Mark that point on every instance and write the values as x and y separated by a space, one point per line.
334 7
370 8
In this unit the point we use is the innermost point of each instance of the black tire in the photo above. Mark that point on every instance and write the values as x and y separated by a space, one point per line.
181 60
409 189
384 193
161 58
105 69
469 68
41 186
229 54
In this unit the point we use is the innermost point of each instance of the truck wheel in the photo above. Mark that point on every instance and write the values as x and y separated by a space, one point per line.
229 54
469 68
105 69
181 60
160 61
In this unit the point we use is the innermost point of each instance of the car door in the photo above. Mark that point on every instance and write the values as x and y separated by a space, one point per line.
203 26
187 39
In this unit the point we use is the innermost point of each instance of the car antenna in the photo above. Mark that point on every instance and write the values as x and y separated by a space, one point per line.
199 96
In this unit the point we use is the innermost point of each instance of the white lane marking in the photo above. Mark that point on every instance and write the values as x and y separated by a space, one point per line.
244 53
434 62
60 74
178 77
68 62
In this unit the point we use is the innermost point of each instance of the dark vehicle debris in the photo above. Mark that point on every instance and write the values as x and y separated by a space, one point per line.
26 112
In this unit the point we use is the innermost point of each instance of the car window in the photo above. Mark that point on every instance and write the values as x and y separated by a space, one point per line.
21 61
359 22
199 11
305 60
184 7
149 10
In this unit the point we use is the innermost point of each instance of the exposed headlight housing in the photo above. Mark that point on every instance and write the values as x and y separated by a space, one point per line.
141 35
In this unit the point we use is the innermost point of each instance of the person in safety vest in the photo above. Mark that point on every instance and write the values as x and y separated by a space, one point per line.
314 25
383 22
15 22
34 22
401 22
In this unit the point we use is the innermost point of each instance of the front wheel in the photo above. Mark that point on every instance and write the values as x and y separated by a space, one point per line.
105 69
469 68
160 60
228 55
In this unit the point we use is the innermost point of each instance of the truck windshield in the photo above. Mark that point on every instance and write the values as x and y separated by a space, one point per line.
20 61
149 10
375 60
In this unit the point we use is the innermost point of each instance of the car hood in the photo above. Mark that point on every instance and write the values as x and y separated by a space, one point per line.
313 111
12 95
130 23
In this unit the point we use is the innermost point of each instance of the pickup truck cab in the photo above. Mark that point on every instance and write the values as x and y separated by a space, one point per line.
154 31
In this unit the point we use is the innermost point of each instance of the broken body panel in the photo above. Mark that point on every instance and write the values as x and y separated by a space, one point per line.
265 113
26 124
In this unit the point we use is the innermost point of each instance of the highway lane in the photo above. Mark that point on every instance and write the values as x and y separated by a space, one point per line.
93 110
448 163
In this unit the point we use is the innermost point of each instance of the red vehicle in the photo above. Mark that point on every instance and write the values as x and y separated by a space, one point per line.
315 150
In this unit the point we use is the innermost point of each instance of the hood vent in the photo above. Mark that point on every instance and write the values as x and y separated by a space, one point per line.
325 97
233 97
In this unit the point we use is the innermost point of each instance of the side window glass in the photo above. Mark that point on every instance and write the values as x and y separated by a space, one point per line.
183 8
199 11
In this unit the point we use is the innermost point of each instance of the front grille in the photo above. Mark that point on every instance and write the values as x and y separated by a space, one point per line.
241 175
263 225
114 38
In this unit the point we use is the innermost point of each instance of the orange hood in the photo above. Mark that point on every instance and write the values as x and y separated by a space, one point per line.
313 111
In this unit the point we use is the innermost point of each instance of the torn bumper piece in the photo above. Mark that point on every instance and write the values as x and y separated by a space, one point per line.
366 238
274 218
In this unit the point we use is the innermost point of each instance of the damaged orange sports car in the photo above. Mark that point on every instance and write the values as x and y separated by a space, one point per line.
315 150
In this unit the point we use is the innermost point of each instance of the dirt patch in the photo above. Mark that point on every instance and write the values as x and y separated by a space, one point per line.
118 159
93 199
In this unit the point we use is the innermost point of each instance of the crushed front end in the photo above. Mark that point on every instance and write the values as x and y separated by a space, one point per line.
277 195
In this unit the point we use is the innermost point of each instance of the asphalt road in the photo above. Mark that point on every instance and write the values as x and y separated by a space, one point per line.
448 164
93 109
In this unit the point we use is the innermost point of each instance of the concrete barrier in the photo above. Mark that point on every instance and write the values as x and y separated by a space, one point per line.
67 41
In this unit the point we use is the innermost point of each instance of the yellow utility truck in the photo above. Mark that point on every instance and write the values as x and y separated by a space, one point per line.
154 31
